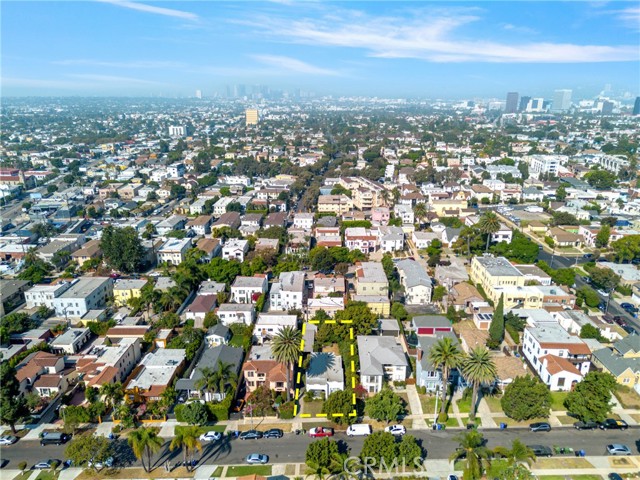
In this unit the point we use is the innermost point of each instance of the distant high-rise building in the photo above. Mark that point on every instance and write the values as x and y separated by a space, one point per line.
177 131
524 101
239 90
636 106
562 100
198 93
606 107
535 105
251 116
512 103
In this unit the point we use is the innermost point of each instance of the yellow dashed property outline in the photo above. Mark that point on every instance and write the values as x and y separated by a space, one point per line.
352 352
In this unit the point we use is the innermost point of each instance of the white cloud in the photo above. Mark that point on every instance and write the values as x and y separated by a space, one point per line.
431 36
143 64
630 16
141 7
111 79
293 65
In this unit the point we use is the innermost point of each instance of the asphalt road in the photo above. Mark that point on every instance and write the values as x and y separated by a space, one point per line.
291 448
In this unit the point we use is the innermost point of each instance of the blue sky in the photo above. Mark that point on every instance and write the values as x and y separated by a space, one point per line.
435 50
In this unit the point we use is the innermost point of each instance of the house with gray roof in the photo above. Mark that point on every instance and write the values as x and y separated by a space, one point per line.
381 358
416 282
427 375
189 387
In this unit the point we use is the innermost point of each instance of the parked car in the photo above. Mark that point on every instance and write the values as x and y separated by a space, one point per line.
8 440
250 435
627 306
586 279
321 432
618 449
602 292
630 330
396 429
585 425
541 450
453 477
613 424
54 438
210 436
46 464
540 427
260 458
100 465
615 476
273 433
587 255
602 306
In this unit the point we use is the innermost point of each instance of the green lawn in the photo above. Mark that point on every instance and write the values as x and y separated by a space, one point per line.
493 402
47 475
464 406
237 341
557 400
242 470
314 407
566 419
217 472
23 476
204 429
428 404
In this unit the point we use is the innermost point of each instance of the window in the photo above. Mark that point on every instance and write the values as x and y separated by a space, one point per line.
561 382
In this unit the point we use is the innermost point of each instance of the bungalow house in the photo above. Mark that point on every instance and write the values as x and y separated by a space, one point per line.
562 238
210 247
227 219
218 335
199 308
270 324
381 358
155 374
229 313
328 286
211 357
325 373
127 289
249 289
43 373
536 227
423 239
329 305
88 251
622 361
267 244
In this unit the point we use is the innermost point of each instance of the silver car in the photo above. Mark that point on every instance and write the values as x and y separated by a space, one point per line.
618 449
257 458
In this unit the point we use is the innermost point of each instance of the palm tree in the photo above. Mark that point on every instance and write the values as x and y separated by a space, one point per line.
518 453
286 348
475 455
478 368
217 380
112 393
144 441
445 355
420 211
187 439
489 224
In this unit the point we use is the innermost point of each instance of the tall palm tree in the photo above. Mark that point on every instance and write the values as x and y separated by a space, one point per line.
420 211
478 368
216 380
144 442
489 224
187 439
445 355
518 453
475 455
286 348
112 393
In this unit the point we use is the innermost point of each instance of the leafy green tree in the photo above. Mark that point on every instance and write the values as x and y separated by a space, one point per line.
476 457
478 368
340 402
445 356
439 293
186 439
399 312
563 218
517 472
590 400
285 347
381 446
17 322
384 406
407 450
221 270
626 248
144 442
113 393
518 453
589 331
521 249
605 278
73 416
83 449
323 455
218 379
496 329
561 193
489 224
12 403
588 295
601 179
561 276
35 269
190 339
525 398
122 248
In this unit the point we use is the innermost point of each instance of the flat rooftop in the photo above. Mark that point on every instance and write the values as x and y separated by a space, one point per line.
498 266
84 287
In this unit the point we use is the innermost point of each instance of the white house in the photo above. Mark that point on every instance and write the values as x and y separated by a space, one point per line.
71 341
390 239
90 293
270 324
289 292
44 294
381 358
325 373
303 220
423 239
229 313
405 213
174 251
416 282
235 249
248 289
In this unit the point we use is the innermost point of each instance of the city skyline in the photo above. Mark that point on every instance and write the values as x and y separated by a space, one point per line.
437 50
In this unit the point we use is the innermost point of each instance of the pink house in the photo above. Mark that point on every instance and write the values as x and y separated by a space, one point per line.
380 216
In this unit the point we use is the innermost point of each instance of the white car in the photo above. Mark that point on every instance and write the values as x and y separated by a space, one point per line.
8 440
210 436
396 430
100 465
44 465
602 292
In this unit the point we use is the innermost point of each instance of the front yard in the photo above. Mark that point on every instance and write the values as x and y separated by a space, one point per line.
557 401
203 429
628 397
242 470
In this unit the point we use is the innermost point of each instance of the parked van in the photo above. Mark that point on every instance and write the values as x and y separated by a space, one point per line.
54 438
359 430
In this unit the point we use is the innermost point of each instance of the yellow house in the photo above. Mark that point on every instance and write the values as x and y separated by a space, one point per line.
126 289
623 361
371 279
378 304
491 272
441 206
521 297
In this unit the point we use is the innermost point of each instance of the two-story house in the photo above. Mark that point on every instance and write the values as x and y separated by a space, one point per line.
381 358
249 289
229 313
416 282
235 249
174 251
289 292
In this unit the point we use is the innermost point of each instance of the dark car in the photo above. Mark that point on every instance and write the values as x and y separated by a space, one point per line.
614 476
627 306
602 306
613 424
273 433
585 425
250 435
540 427
587 255
541 450
630 330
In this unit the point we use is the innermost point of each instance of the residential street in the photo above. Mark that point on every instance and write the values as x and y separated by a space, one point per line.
291 448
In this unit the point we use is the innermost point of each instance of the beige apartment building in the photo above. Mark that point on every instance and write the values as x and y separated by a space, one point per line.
337 204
